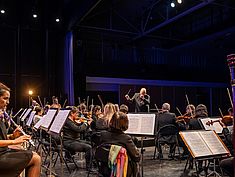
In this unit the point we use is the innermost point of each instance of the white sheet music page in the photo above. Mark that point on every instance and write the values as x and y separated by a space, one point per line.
26 114
196 144
213 142
59 121
40 122
215 126
29 121
48 118
141 124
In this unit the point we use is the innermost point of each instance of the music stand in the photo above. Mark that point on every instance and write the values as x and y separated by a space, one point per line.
141 125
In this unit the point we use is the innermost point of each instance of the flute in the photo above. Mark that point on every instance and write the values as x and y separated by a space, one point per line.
20 129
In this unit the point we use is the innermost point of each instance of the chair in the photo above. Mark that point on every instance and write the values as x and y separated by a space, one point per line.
102 158
167 134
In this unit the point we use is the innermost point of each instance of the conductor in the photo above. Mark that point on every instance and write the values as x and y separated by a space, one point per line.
141 100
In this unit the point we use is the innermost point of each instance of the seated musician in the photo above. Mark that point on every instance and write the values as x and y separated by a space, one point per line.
227 164
116 136
96 113
55 103
165 117
200 112
103 122
71 138
123 108
38 114
183 120
12 161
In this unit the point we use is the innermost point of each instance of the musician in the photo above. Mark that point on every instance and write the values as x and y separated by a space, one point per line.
200 112
165 117
103 122
141 100
12 161
55 103
116 136
123 108
38 114
71 139
96 112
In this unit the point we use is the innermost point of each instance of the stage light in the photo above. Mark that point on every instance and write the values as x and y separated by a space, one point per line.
173 4
57 20
30 92
3 11
35 15
179 1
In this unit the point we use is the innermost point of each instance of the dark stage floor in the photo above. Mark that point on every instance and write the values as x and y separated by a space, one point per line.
151 168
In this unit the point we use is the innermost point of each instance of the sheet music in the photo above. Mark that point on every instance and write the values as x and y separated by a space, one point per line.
204 143
59 121
48 118
26 114
213 142
30 119
216 125
40 122
196 144
141 124
23 113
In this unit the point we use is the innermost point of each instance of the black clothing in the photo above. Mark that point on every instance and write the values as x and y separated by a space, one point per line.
163 119
118 137
71 139
227 166
141 104
102 124
12 162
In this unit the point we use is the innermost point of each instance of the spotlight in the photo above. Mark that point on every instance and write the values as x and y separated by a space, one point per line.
173 4
179 1
35 15
2 11
30 92
57 20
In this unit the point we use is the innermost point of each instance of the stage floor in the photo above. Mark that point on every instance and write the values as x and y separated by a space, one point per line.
151 168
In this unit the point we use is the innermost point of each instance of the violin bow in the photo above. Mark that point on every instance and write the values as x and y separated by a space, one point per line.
65 101
39 99
178 111
221 114
188 103
229 95
102 104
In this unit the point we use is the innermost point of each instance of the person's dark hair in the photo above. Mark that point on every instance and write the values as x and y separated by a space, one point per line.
3 89
119 121
96 108
201 111
123 108
37 109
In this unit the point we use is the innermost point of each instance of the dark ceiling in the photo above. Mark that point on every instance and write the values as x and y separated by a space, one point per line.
141 22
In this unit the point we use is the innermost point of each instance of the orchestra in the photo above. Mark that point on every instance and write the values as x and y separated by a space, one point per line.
85 121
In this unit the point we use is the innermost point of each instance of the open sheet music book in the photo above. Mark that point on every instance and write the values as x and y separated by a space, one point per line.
204 143
215 126
141 124
59 121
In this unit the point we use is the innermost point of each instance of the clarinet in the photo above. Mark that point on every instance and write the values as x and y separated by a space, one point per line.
22 131
231 64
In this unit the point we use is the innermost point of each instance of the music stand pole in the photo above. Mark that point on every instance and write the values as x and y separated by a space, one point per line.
142 156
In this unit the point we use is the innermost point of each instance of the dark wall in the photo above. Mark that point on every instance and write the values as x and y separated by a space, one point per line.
31 59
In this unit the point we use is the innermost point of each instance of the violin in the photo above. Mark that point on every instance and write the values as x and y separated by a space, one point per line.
227 120
184 118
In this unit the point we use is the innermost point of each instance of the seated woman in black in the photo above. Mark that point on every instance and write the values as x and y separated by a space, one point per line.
13 162
115 135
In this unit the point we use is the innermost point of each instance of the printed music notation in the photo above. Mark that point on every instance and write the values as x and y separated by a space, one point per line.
141 124
204 143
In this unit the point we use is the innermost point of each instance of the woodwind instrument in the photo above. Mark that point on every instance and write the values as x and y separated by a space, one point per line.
17 126
231 64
